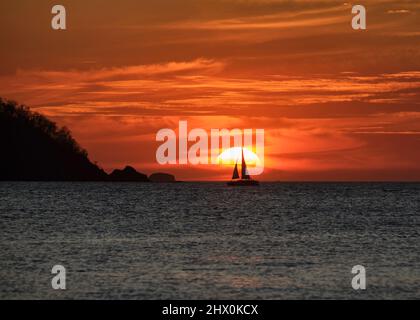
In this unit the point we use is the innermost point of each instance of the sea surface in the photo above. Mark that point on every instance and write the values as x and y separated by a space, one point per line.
209 241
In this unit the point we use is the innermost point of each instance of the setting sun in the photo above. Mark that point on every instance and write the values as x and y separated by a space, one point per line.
233 155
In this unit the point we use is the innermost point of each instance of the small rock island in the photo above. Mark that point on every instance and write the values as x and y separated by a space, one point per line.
162 178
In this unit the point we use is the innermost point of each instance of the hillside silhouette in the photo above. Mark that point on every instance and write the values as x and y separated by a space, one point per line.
33 148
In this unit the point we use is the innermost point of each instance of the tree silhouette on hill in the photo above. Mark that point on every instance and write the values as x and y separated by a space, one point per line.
33 148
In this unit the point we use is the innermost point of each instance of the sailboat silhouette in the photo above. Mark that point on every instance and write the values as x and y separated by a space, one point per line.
244 179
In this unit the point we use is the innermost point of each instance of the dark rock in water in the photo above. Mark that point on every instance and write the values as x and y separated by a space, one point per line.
162 177
128 174
33 148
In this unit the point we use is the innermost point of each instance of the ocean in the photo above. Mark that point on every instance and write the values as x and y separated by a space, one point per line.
209 241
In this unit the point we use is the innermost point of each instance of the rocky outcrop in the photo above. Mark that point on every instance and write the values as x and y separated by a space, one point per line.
128 174
162 177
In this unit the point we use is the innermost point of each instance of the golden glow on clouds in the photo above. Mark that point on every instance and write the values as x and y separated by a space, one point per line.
335 104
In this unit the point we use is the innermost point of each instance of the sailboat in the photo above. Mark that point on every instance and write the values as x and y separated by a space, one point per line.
244 179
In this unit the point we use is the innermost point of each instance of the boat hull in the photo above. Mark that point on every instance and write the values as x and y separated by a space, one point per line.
243 183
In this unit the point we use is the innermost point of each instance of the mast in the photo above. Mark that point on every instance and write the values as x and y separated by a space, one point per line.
235 172
244 171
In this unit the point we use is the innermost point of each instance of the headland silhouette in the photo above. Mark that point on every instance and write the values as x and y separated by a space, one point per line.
34 148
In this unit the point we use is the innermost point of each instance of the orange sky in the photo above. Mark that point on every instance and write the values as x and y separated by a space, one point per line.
336 104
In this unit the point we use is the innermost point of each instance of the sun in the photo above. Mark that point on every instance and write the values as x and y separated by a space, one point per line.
234 155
